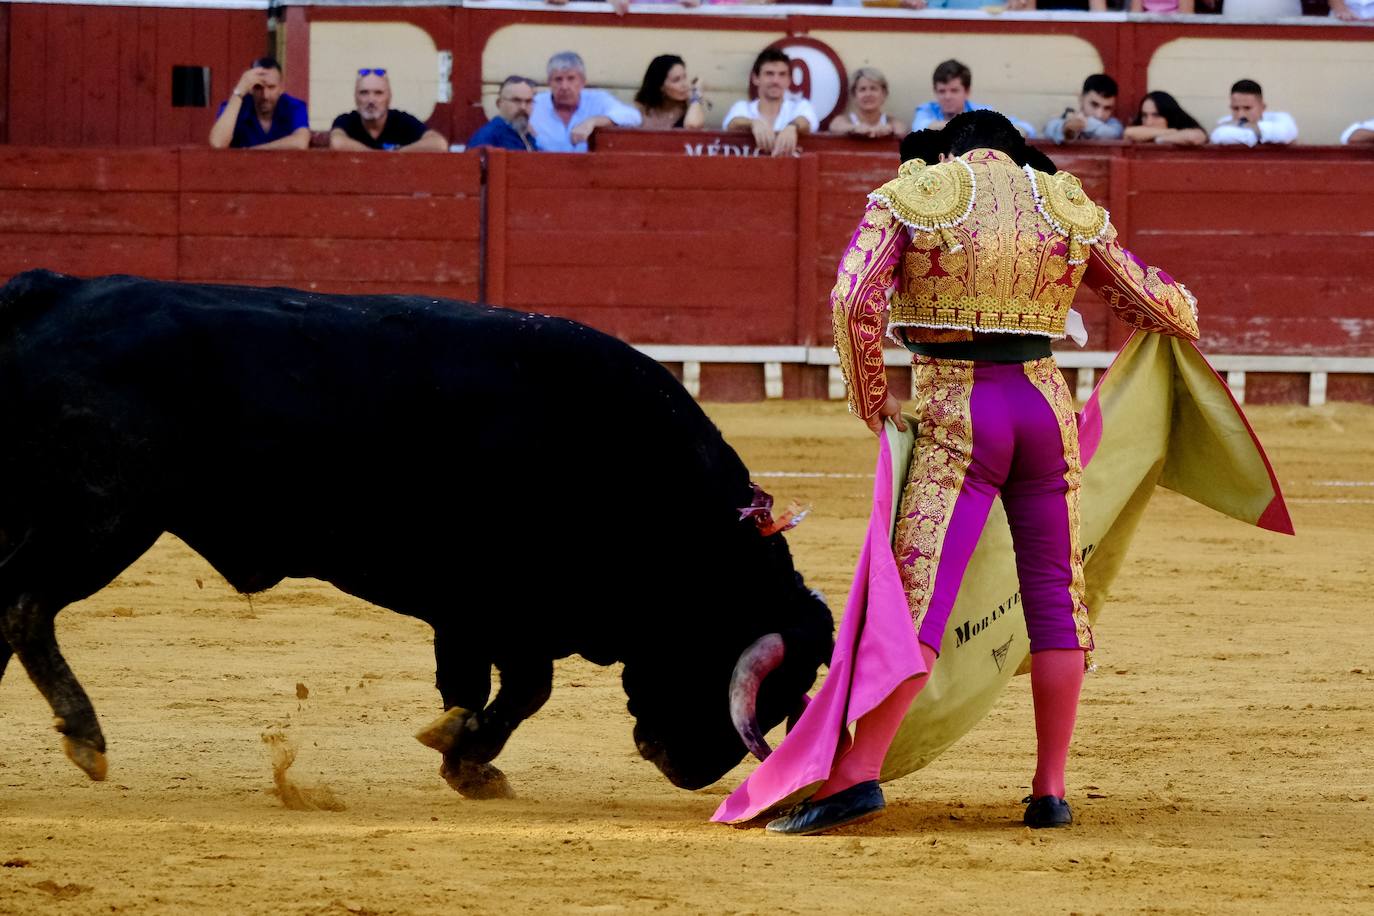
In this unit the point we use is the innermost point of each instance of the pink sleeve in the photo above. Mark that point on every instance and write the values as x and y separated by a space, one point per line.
858 304
1139 294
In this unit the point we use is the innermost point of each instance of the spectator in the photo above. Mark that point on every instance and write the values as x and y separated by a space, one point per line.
1359 132
510 129
667 99
374 124
1093 118
777 117
1351 10
1260 9
1162 120
566 115
1250 122
866 118
1162 6
952 81
274 120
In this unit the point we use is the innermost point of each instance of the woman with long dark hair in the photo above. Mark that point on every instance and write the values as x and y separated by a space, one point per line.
667 98
1162 120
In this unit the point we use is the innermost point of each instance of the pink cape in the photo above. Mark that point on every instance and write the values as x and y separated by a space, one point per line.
876 627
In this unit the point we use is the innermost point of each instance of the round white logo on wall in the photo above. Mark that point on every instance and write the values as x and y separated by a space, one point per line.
817 73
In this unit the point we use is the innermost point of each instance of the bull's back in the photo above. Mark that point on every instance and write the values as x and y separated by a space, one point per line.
378 442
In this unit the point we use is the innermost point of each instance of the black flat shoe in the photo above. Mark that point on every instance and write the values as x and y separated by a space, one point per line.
859 802
1048 811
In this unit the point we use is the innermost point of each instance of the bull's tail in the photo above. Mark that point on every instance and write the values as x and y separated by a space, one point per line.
30 293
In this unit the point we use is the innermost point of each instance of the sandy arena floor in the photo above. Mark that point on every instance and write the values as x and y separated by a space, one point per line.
1223 760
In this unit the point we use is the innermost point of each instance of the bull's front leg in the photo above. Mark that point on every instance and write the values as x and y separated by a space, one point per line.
470 739
27 629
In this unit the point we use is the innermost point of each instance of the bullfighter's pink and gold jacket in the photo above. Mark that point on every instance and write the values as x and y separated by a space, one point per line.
979 244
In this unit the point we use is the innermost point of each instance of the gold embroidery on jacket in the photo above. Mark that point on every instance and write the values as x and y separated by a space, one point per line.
944 451
858 301
1015 262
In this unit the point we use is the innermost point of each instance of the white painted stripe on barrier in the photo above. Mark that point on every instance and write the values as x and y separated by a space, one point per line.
1235 380
1087 362
1332 502
836 383
772 380
1084 389
811 475
1316 389
691 377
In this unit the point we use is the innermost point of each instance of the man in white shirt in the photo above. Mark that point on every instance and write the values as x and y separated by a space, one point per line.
565 116
1359 132
1250 122
776 118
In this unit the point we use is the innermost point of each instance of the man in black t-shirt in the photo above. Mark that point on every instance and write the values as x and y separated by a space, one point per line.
376 125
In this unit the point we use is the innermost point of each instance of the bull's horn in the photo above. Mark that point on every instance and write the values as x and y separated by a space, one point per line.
755 664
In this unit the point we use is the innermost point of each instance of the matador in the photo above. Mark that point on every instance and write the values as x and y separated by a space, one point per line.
972 264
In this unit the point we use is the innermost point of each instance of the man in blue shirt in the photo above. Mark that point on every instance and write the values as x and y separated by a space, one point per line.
952 81
258 114
510 129
565 116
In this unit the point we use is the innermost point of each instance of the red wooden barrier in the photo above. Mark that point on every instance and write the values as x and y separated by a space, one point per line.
676 249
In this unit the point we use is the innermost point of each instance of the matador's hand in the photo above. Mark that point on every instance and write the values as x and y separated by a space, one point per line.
891 408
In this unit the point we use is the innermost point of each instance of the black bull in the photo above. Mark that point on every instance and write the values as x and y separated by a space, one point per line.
530 487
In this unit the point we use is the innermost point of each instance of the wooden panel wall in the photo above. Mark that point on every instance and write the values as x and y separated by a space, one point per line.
1279 249
667 248
646 249
102 75
329 222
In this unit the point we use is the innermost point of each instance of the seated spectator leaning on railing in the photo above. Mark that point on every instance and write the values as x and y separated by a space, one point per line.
510 129
1162 120
1093 119
1250 122
667 98
952 81
565 116
1351 10
865 117
258 114
1260 9
1162 6
375 125
777 118
1359 132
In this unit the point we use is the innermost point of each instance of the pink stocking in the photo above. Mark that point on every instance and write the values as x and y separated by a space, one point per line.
873 735
1056 677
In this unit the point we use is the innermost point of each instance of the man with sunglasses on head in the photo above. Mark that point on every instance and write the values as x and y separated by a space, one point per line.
510 129
259 115
376 125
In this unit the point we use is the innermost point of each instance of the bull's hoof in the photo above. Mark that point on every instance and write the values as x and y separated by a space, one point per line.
477 780
442 734
85 755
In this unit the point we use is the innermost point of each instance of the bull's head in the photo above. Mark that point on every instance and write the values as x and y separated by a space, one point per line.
701 706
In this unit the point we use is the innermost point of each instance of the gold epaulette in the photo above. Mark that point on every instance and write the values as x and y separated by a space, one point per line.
1071 213
933 198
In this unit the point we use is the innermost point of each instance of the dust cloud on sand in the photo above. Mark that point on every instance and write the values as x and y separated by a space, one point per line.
295 797
1221 763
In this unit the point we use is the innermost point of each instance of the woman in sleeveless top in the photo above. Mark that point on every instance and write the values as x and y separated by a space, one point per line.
667 98
866 118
